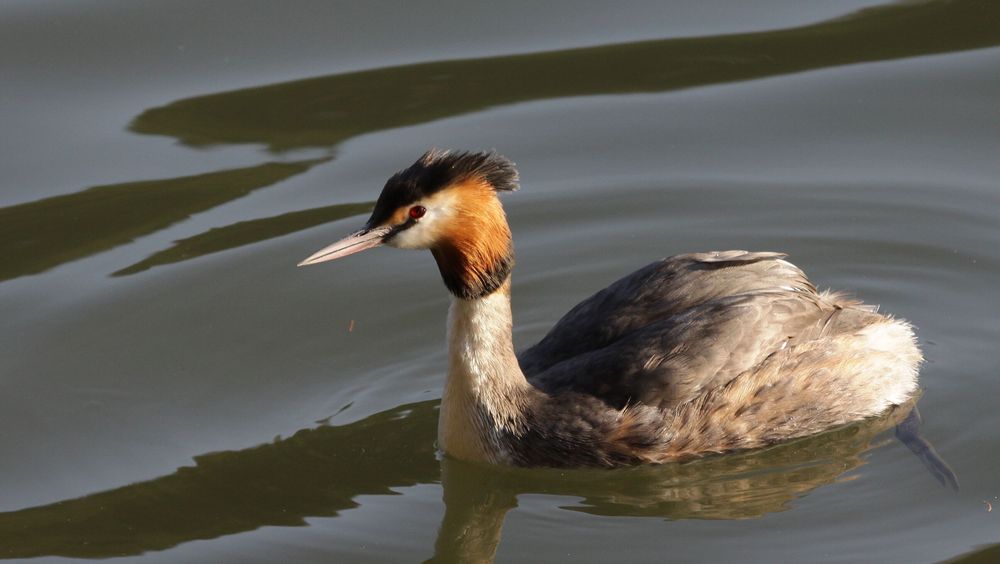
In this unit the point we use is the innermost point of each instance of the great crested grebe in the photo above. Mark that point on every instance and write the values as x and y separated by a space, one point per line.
694 354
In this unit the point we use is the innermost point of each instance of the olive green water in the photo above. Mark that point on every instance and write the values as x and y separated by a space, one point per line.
175 390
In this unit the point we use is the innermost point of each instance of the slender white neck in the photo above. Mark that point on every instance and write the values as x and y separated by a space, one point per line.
485 390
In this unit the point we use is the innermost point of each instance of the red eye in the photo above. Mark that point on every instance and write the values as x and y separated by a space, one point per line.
416 212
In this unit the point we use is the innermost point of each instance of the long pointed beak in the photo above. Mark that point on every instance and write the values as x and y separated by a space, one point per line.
353 243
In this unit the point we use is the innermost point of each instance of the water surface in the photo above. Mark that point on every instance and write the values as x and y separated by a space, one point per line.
175 390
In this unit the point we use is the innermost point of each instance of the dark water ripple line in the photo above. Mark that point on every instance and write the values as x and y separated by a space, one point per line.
325 111
43 234
245 233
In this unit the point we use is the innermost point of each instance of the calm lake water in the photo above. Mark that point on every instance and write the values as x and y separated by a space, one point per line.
175 390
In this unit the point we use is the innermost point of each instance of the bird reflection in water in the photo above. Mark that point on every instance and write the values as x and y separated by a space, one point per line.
321 472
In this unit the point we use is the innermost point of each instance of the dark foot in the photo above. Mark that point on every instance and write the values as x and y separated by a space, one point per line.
908 432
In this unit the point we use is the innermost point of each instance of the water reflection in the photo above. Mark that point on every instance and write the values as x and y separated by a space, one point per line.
315 472
245 233
986 555
739 486
325 111
321 471
40 235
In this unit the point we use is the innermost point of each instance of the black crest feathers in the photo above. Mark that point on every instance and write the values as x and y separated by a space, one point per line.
435 170
492 167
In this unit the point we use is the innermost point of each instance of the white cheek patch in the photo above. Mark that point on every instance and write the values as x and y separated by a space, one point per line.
427 231
420 236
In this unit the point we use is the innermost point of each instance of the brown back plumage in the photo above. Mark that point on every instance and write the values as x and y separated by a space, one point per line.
713 352
682 325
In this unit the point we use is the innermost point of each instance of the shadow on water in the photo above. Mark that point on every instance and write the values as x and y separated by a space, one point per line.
325 111
320 472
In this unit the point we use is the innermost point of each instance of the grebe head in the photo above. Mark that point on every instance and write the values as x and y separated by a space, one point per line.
446 202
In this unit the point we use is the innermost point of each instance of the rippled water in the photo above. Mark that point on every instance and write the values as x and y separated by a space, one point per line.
175 390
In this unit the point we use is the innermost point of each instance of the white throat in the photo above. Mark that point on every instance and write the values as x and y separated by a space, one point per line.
485 388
